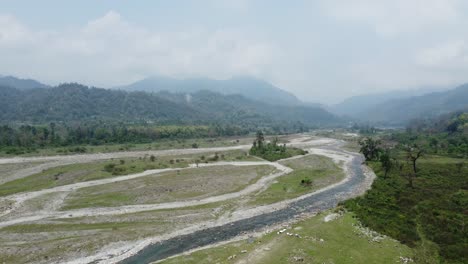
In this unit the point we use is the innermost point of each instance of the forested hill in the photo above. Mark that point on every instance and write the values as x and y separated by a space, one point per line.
354 106
249 87
399 111
74 102
232 107
21 84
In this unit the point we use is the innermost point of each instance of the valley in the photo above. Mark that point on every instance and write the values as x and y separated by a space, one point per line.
83 210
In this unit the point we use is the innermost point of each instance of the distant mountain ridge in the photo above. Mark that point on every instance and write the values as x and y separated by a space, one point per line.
75 102
354 106
21 84
249 87
424 106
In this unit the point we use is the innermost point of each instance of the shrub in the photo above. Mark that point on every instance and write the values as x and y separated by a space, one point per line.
109 167
306 182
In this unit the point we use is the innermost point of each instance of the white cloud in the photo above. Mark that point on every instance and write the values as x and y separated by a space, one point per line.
389 18
451 55
109 51
387 45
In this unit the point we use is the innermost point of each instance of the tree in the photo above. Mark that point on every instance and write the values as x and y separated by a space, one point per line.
370 148
275 141
260 139
408 175
152 158
413 153
459 166
386 162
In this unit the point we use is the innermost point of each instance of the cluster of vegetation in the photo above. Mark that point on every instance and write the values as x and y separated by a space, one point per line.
26 138
364 129
418 197
75 102
71 114
446 135
272 151
339 241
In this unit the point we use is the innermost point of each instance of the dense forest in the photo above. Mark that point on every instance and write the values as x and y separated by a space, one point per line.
431 105
73 114
420 195
26 138
74 102
446 134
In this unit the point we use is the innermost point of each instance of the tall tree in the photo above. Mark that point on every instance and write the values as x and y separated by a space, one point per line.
260 139
407 174
386 162
413 153
370 148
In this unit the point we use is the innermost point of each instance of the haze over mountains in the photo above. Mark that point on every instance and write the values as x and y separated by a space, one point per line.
21 84
75 102
354 106
249 87
399 107
237 100
400 111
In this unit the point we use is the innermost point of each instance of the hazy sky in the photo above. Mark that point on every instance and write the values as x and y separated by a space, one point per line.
320 50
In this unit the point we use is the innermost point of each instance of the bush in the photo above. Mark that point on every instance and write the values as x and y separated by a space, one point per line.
306 182
433 211
109 167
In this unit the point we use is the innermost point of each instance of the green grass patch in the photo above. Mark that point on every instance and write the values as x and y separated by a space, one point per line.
35 228
434 211
157 145
320 171
277 154
80 172
337 241
169 186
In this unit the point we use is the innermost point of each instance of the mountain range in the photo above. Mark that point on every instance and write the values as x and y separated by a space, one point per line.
354 106
21 84
249 87
237 100
75 102
401 111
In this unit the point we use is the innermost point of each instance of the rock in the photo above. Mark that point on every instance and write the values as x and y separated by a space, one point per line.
331 217
244 251
298 259
232 257
267 249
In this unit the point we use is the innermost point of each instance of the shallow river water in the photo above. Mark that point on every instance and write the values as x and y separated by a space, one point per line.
318 202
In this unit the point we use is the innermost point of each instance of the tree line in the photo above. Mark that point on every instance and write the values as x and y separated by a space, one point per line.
59 135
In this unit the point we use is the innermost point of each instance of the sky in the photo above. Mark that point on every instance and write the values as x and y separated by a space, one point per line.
320 50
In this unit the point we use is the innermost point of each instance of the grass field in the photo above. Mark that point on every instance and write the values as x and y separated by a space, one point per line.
430 216
9 169
321 171
338 241
158 145
80 172
195 183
